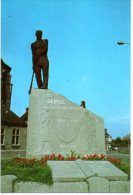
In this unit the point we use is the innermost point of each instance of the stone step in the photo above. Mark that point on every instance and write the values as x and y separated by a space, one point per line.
79 170
106 170
66 171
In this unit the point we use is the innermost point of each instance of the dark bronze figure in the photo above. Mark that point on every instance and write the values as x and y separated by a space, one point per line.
40 60
83 104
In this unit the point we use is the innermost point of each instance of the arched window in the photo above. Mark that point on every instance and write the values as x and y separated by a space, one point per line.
15 137
2 136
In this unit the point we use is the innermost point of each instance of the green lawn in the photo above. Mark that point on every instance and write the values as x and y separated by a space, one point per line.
125 167
33 173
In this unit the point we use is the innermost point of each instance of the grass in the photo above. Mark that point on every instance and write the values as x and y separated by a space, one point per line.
124 151
32 172
125 167
121 164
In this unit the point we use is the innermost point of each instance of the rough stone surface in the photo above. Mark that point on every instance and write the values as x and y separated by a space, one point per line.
98 184
55 188
66 171
7 183
119 186
106 170
56 125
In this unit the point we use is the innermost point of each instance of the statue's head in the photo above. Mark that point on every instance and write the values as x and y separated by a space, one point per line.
39 33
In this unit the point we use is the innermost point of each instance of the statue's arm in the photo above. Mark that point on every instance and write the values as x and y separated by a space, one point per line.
46 45
33 50
33 54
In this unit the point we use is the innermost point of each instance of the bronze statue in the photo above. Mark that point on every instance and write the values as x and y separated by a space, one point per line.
40 60
83 104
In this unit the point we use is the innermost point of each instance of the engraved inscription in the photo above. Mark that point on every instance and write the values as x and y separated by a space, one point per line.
55 101
34 94
70 146
50 107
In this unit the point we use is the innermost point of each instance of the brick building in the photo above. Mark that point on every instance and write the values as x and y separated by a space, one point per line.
13 127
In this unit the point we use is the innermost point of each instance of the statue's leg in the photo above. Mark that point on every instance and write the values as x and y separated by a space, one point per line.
38 76
46 75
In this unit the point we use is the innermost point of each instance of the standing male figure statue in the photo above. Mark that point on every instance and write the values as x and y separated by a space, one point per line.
40 60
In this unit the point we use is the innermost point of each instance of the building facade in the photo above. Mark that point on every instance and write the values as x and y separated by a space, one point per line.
13 127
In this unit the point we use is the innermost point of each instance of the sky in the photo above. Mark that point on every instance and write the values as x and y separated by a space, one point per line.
85 61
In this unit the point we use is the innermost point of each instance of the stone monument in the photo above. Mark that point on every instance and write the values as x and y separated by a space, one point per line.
59 126
56 125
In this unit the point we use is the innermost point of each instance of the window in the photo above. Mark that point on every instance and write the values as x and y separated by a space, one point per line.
15 137
2 136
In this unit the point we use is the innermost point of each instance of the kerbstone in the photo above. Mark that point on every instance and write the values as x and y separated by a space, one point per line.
7 183
66 171
98 184
57 125
119 186
106 170
68 187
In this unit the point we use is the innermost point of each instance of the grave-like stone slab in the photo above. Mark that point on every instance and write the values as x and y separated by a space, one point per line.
63 187
57 125
119 186
66 171
86 170
98 184
106 170
7 183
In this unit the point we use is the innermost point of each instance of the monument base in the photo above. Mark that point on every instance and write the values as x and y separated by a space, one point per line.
75 176
58 126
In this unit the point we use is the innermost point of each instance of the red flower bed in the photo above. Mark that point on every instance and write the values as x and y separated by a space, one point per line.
53 157
73 156
29 162
94 157
25 160
114 160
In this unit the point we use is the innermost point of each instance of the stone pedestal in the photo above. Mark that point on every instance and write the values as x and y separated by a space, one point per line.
74 176
56 125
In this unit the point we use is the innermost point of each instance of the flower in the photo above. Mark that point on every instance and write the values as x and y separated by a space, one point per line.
73 156
114 160
60 157
52 157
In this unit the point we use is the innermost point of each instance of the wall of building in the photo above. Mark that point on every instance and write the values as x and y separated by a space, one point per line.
8 150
